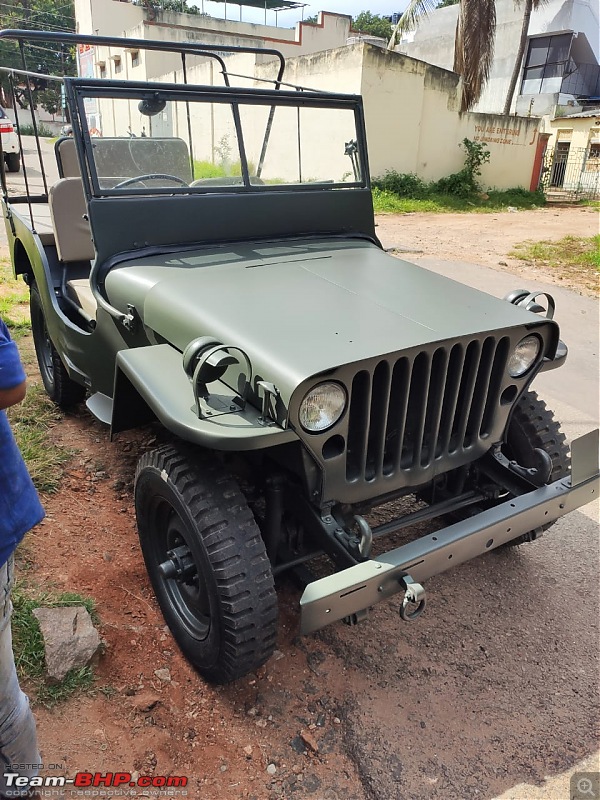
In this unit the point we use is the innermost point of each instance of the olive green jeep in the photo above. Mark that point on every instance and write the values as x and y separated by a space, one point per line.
207 260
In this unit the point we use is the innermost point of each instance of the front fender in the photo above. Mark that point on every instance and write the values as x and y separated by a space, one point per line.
150 381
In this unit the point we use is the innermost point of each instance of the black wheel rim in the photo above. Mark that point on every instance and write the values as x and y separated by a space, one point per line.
186 593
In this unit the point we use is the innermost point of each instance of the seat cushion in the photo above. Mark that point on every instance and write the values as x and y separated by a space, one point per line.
80 292
68 212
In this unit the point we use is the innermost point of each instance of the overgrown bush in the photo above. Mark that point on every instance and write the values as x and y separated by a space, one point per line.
466 182
26 129
402 184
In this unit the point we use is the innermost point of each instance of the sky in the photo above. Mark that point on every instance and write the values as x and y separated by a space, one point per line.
288 19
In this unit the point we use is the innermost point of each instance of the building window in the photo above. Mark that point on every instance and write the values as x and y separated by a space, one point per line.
546 64
102 70
592 163
118 66
135 58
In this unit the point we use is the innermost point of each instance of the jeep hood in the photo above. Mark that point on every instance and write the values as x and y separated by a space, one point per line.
302 309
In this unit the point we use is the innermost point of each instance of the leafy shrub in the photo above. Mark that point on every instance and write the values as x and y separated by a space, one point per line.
403 184
26 129
465 182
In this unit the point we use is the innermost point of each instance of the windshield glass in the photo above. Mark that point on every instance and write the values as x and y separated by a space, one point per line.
161 143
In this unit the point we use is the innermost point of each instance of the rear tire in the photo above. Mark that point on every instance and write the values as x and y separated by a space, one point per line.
207 562
60 388
533 426
13 161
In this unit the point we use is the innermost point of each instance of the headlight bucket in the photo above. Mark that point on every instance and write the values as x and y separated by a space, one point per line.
524 356
322 407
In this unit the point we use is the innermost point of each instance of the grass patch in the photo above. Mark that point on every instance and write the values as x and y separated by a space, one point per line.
206 169
572 257
28 646
31 422
590 204
487 202
14 300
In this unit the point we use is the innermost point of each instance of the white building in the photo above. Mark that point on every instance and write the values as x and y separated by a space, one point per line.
118 18
560 66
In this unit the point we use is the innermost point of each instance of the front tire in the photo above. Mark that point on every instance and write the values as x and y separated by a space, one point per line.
207 562
58 385
533 426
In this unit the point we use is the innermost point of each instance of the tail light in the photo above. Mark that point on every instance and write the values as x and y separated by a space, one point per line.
6 126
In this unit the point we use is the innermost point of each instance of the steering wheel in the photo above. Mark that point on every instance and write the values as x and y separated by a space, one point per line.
151 176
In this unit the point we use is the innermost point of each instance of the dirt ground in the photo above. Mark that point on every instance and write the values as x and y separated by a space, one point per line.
487 239
472 700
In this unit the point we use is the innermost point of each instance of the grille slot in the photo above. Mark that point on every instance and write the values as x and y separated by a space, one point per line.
431 406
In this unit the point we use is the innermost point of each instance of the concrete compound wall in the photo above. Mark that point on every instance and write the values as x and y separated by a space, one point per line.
411 110
413 124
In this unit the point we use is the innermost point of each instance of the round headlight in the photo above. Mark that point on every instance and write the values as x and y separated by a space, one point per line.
322 407
524 356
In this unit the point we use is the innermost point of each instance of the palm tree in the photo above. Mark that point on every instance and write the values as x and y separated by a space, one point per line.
474 43
530 5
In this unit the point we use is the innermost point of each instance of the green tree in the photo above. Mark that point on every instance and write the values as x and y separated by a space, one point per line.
445 3
181 6
49 58
375 24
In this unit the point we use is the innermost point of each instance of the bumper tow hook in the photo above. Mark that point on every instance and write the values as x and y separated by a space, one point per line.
414 598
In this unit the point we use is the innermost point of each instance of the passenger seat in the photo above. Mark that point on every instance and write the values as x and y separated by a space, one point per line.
73 239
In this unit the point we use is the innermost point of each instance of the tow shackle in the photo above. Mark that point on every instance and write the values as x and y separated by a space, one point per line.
414 601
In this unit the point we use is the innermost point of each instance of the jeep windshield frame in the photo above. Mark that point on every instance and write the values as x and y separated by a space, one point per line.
239 101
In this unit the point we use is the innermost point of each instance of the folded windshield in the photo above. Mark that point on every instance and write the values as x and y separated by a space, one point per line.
160 142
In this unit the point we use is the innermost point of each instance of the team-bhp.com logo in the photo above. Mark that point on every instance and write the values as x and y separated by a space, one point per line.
89 781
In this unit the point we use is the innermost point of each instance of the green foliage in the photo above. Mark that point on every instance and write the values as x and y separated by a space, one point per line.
386 202
465 182
401 184
28 645
32 421
314 19
27 130
445 3
179 6
375 24
49 99
574 258
206 169
49 58
14 300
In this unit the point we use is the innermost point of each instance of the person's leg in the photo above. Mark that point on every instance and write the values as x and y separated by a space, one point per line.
18 740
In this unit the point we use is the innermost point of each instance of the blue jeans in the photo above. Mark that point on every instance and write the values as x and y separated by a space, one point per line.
18 740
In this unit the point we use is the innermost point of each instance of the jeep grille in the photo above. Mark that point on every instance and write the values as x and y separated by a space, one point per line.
432 405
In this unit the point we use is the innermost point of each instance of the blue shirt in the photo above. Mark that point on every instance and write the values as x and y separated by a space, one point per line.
20 507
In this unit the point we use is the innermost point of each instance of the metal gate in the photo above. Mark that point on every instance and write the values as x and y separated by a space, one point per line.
570 173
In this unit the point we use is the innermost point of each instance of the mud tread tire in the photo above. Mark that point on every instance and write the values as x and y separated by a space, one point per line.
532 425
235 565
60 388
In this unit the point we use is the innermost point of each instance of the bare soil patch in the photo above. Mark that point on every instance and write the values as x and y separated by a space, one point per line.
488 239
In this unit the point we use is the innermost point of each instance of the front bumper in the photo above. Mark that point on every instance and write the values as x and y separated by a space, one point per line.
355 589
